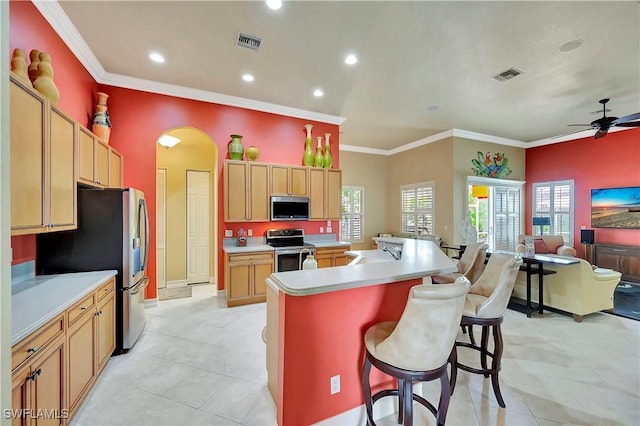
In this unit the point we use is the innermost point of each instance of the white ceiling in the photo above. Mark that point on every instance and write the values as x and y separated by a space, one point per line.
412 56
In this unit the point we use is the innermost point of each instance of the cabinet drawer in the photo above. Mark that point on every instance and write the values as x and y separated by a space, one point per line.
37 342
105 289
331 250
250 257
80 308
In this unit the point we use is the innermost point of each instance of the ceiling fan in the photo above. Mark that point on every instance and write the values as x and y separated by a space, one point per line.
604 123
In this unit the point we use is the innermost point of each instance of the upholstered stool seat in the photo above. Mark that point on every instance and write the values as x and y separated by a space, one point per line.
484 306
416 348
470 265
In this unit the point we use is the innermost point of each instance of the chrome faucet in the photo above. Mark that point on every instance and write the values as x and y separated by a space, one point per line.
396 253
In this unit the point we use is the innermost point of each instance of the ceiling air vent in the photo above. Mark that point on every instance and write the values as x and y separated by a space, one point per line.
507 75
249 41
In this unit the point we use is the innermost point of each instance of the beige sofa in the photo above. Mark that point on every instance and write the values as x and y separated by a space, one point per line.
547 244
576 288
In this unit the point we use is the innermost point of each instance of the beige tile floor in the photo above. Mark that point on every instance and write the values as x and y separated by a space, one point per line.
201 363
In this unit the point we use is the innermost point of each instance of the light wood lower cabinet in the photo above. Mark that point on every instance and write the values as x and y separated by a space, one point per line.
245 276
91 340
37 386
332 256
54 367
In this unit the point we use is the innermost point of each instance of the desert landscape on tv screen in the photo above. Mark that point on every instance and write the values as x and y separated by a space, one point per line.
615 208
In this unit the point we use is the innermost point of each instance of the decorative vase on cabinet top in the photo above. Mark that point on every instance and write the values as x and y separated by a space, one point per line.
307 158
252 153
236 149
101 124
328 160
318 161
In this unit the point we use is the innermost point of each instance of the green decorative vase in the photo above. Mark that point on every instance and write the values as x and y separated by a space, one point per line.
307 158
235 147
318 161
328 160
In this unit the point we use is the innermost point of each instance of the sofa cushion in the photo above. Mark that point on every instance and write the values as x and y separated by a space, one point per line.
539 246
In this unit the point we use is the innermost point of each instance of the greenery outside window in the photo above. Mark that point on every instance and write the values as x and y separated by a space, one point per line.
556 201
417 208
351 218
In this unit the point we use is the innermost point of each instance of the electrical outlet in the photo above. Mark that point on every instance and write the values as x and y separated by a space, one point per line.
322 229
328 223
328 229
228 233
583 227
250 232
335 384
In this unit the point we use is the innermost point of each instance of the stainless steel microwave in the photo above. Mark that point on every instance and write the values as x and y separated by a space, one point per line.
289 208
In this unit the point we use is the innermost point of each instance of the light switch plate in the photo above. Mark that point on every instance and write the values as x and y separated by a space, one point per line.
228 233
328 229
250 232
322 229
328 223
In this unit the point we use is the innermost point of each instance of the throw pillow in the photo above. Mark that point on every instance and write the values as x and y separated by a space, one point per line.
540 246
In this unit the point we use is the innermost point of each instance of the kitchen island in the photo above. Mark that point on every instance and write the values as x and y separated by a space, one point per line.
316 320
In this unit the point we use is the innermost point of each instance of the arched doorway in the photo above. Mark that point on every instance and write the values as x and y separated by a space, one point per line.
186 232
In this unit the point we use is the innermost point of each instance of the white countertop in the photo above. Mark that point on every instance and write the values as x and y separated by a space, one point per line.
247 249
324 244
37 300
419 259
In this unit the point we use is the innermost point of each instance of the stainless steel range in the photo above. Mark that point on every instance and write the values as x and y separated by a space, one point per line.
288 245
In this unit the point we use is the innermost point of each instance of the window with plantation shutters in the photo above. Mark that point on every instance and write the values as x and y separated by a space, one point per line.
506 217
555 201
417 207
351 219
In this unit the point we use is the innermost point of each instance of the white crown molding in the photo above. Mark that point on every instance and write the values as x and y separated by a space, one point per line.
573 136
434 138
133 83
60 22
62 25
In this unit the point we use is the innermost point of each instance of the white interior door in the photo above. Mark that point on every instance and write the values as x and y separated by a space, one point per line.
198 202
161 227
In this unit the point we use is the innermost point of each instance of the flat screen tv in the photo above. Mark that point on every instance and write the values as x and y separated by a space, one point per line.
615 208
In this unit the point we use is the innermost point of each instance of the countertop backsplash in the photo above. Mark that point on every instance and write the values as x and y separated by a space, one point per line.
22 271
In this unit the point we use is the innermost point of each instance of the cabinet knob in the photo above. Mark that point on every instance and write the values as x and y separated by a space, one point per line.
84 308
33 349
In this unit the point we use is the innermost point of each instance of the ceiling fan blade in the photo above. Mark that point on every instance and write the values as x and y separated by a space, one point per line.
632 124
600 134
627 118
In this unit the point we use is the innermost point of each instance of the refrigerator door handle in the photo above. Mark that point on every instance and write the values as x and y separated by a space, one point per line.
139 286
143 207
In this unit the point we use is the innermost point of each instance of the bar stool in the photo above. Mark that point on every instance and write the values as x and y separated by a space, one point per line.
416 349
470 265
484 306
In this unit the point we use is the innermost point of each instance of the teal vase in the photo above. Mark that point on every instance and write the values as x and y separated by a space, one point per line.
318 161
236 150
328 160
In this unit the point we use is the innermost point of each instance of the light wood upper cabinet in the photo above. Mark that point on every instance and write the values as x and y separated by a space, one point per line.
43 152
325 189
246 197
289 180
93 159
115 169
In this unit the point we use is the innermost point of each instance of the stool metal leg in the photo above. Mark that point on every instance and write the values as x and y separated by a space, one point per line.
366 390
484 345
445 396
401 398
407 402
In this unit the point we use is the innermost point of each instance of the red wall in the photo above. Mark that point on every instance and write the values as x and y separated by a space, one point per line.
613 161
322 336
139 118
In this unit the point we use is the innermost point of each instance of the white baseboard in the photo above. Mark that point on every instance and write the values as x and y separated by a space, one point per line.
151 303
358 415
176 283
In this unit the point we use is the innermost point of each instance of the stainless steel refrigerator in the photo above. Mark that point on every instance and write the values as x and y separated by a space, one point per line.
113 233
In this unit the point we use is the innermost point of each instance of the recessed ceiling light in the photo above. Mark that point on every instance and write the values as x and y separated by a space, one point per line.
571 45
274 4
350 59
156 57
318 93
248 77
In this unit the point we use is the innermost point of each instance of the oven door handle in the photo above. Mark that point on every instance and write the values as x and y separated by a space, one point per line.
292 251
